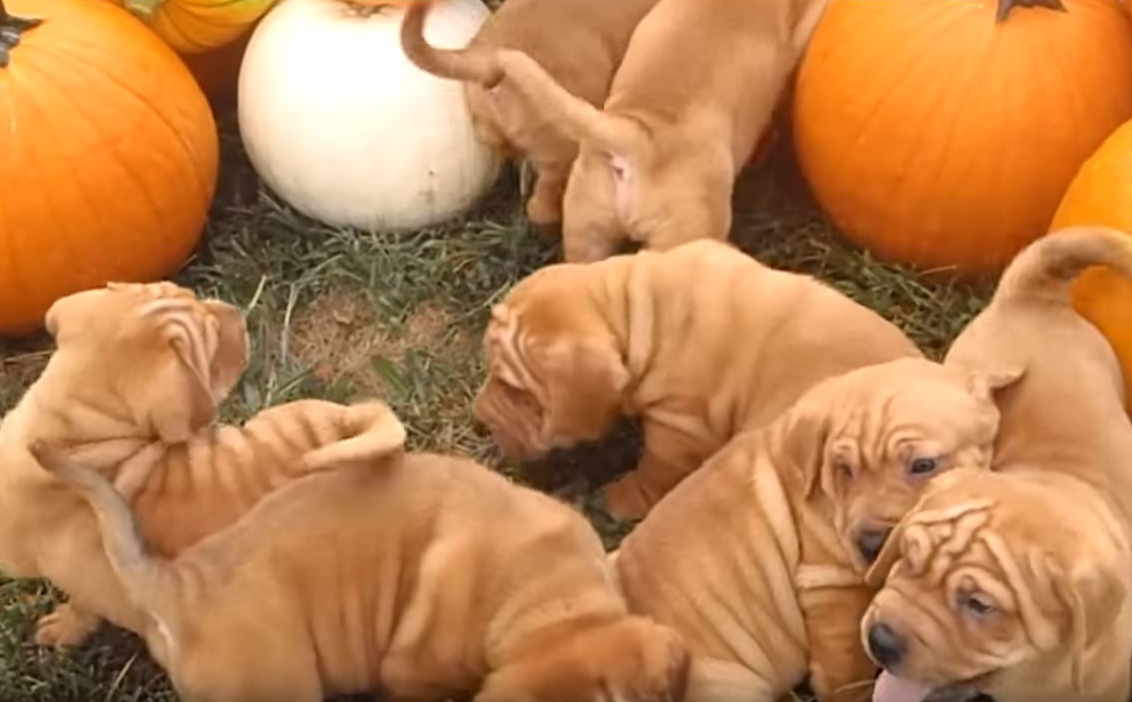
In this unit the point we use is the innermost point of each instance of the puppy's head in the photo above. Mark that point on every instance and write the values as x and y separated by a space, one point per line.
883 431
555 372
1000 583
631 660
165 358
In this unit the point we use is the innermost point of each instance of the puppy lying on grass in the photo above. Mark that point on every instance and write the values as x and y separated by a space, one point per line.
702 342
697 88
580 42
1017 585
758 559
137 376
421 577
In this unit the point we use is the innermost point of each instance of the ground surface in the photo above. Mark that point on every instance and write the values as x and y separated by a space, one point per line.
342 314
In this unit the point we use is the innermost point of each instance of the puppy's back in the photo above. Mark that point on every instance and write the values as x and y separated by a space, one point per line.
1067 412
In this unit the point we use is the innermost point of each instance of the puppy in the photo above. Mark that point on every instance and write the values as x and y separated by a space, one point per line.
701 342
422 577
1010 583
1017 586
136 378
580 42
697 88
756 560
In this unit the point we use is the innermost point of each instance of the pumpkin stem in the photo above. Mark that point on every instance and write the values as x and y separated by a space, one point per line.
145 9
1005 6
10 30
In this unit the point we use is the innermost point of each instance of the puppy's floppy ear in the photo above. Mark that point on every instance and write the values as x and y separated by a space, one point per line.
582 381
983 384
231 356
806 429
207 359
1092 593
67 313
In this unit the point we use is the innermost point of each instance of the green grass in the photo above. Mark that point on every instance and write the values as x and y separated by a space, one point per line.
340 314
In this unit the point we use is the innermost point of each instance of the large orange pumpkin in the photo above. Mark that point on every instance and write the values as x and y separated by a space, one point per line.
194 26
1102 194
108 160
942 133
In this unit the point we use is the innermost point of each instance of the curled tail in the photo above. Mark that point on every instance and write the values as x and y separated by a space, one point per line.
370 431
141 574
474 65
1048 268
573 116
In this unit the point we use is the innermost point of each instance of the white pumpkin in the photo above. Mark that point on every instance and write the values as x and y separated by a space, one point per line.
342 126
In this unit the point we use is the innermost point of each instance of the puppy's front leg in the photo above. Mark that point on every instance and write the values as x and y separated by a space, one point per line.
840 671
67 626
669 456
544 208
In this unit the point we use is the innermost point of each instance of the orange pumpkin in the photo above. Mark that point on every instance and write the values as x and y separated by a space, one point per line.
108 160
942 133
195 26
1102 194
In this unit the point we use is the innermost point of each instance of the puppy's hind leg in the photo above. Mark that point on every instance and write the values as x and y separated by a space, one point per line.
544 208
66 627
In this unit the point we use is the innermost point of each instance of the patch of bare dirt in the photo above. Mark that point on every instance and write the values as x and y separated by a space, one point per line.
340 334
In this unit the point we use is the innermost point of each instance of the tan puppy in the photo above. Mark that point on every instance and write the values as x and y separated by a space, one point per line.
580 42
1018 586
701 342
422 577
137 376
697 88
756 560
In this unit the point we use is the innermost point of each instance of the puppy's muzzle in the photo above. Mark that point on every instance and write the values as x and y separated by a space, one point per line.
871 541
886 647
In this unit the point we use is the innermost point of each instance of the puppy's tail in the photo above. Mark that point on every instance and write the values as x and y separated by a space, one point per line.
370 431
140 573
1047 269
474 65
573 116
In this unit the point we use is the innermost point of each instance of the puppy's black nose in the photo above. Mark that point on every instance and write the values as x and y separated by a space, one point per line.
885 646
871 541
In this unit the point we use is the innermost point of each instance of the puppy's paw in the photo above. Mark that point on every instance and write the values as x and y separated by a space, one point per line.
66 627
625 500
544 214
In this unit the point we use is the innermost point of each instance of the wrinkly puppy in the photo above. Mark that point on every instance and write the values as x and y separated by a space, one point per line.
137 376
696 90
702 342
580 42
756 560
420 576
1017 587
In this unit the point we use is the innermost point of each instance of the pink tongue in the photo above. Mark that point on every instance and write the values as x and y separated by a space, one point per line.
890 688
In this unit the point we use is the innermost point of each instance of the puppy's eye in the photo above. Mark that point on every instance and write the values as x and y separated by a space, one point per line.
976 604
924 466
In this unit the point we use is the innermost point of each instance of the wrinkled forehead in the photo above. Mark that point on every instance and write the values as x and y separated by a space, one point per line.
990 520
881 406
126 310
